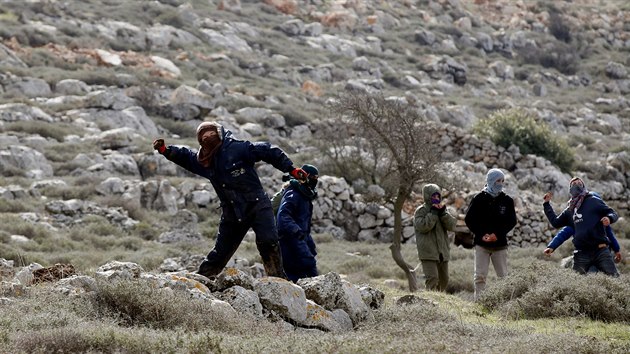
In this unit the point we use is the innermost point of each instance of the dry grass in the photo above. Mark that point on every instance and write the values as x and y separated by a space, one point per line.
134 318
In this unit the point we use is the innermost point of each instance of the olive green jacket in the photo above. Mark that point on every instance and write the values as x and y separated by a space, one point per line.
431 228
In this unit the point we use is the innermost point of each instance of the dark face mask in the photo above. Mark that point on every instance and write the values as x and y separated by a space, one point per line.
576 190
312 182
436 198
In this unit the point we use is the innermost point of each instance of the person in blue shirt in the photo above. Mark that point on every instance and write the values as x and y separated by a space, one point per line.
567 232
229 165
588 215
294 226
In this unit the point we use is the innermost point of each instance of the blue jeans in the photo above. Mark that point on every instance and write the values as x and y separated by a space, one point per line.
601 259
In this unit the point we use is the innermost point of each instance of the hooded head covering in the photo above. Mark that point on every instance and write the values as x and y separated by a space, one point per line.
309 187
429 192
209 145
493 186
577 190
313 175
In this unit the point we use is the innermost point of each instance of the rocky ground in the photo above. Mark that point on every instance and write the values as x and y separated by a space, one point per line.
86 86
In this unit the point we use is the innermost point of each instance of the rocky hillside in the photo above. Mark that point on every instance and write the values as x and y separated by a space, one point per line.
85 86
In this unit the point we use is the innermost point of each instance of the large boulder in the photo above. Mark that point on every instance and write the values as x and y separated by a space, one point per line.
331 292
26 161
183 228
243 300
14 112
283 298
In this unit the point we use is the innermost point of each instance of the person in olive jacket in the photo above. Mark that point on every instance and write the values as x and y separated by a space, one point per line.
229 165
490 217
431 221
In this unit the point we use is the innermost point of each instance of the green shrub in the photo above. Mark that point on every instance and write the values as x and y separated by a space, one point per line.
104 338
182 129
17 226
15 206
234 103
55 130
83 189
139 303
558 28
558 55
171 18
517 127
544 290
293 116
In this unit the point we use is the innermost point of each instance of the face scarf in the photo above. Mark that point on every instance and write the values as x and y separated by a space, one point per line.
304 189
578 191
208 145
493 187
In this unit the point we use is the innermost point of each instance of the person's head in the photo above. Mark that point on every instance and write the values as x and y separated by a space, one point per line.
431 194
576 187
494 181
313 175
208 131
209 138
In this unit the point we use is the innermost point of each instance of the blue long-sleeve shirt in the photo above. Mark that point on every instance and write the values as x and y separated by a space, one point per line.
568 231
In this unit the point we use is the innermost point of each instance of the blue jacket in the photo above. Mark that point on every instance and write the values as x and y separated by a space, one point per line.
568 231
232 172
294 230
586 221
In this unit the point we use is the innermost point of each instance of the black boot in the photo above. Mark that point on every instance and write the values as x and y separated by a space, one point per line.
212 265
272 259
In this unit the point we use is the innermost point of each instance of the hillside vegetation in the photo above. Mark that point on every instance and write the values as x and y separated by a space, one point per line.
537 88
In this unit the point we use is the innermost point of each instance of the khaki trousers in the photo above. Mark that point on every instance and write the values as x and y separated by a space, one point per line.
483 256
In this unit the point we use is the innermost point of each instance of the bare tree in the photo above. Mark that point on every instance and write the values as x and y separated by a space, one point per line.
389 143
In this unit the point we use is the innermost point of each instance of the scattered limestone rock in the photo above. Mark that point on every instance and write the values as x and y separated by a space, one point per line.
372 297
75 285
283 297
230 277
414 299
331 292
119 270
243 300
320 318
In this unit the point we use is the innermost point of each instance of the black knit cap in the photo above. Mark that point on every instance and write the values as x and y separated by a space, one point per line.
311 170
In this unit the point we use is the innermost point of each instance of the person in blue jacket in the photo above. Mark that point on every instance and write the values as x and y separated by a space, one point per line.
567 232
589 216
294 226
229 165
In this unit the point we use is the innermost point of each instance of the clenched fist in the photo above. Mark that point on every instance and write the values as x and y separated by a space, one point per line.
158 144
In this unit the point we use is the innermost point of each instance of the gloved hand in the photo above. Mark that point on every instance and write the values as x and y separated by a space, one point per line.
438 209
158 144
299 174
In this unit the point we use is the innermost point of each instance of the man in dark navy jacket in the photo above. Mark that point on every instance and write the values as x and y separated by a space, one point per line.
589 217
229 165
294 226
